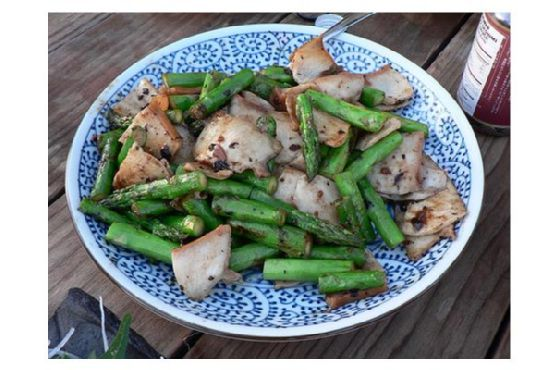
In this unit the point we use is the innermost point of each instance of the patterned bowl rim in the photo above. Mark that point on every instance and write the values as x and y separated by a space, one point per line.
291 333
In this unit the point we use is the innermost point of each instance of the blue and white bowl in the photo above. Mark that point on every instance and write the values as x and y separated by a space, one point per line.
254 309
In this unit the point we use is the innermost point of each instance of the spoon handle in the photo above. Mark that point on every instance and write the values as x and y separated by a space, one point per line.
344 24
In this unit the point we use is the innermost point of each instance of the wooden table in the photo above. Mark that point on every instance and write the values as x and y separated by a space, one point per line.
465 315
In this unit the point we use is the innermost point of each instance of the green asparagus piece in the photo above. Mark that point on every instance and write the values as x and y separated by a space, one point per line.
117 121
353 280
353 155
347 214
150 207
180 170
264 86
103 138
106 169
176 187
200 208
365 119
267 124
229 187
336 160
157 227
376 153
248 210
291 240
309 134
371 97
409 125
101 213
268 184
212 80
251 255
188 224
379 215
278 73
348 188
128 143
182 102
149 245
175 116
191 79
357 255
239 241
324 150
263 197
302 270
220 95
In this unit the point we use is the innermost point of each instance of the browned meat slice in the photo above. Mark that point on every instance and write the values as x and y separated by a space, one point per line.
388 108
249 105
345 86
417 246
235 143
208 170
370 139
332 131
291 141
430 216
137 99
139 167
395 86
400 172
201 264
317 197
311 60
185 152
163 140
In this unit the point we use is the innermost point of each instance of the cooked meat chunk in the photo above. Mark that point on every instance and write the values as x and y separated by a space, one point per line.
137 99
332 131
395 86
311 60
139 167
185 152
370 139
162 136
201 264
431 215
291 141
208 170
400 172
345 86
417 246
235 143
250 106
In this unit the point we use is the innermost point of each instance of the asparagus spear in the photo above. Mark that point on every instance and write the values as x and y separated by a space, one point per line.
326 231
229 187
149 245
216 98
379 215
357 255
182 102
346 214
268 184
371 97
191 79
101 213
187 225
150 207
309 133
302 270
348 188
200 208
212 80
353 155
324 150
291 240
157 227
264 86
175 116
248 210
336 159
103 138
106 169
251 255
409 125
353 280
176 187
267 124
278 73
376 153
365 119
128 143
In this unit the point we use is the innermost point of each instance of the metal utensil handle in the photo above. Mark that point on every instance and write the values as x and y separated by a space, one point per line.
344 24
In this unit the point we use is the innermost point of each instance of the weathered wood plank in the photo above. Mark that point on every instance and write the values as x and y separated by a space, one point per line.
79 69
63 27
503 349
461 314
70 266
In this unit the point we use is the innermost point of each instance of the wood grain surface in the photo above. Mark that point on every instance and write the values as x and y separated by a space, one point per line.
461 316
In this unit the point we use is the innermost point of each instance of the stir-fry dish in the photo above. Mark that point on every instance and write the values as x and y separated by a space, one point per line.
295 169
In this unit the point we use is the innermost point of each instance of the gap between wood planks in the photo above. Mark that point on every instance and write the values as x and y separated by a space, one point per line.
190 341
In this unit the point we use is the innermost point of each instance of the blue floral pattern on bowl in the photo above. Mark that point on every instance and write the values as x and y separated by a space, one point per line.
255 302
